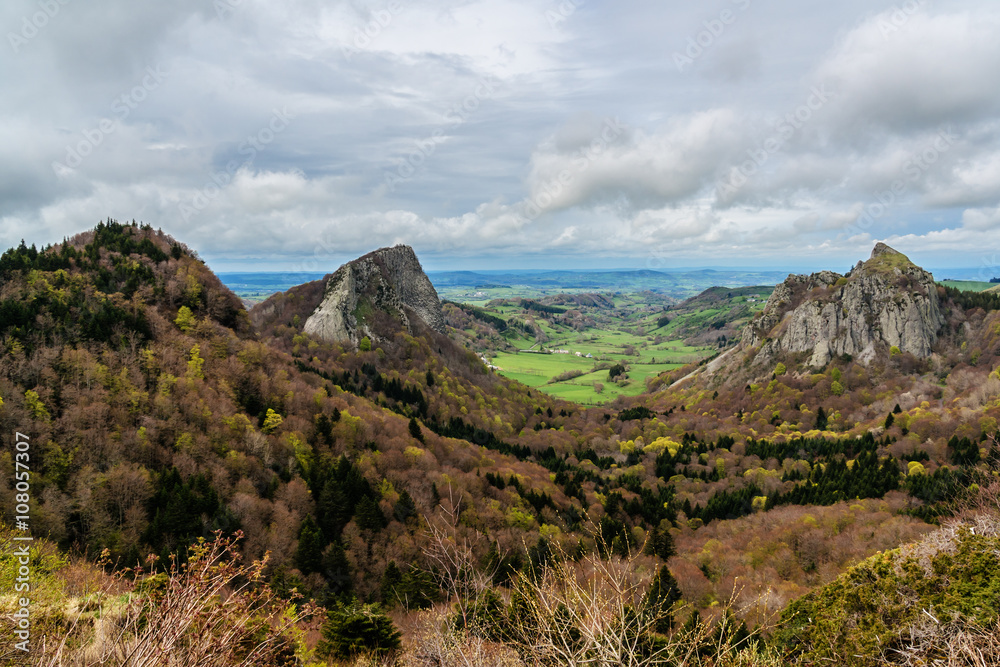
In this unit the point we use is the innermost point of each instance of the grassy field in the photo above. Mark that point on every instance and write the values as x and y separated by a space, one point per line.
626 334
537 370
968 285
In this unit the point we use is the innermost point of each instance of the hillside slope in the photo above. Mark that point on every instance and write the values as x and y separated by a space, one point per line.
159 415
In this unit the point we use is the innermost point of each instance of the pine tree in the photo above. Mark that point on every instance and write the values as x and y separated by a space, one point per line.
405 508
309 554
337 570
821 419
390 580
369 515
415 431
660 543
324 428
660 599
358 629
333 508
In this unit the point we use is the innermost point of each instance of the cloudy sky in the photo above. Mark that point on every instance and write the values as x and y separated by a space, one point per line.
509 134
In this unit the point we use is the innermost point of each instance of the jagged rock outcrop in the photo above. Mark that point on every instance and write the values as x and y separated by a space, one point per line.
375 296
884 302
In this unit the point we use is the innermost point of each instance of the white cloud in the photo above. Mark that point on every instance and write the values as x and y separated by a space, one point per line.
903 70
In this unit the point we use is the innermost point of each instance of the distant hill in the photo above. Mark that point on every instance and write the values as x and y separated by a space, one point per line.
680 284
716 315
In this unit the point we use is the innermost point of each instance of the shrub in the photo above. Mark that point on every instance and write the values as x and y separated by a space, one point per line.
881 607
209 610
568 375
358 629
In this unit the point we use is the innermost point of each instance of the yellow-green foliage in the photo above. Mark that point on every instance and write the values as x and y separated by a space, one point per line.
185 320
518 518
35 406
302 451
836 388
238 423
195 364
868 611
271 421
47 591
780 369
185 443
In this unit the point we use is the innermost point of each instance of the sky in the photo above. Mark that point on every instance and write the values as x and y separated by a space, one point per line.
502 134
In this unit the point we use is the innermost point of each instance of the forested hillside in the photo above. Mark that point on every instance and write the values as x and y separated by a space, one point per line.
402 472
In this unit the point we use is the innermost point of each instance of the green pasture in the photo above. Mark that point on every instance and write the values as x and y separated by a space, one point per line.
968 285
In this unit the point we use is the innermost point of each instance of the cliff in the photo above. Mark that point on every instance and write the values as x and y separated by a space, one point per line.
376 295
882 303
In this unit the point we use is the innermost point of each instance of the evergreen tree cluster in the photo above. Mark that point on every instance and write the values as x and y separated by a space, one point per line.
835 480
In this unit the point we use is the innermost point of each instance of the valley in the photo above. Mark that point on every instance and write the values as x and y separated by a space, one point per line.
751 447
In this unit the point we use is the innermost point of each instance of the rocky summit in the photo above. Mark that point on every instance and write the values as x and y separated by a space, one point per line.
374 296
882 303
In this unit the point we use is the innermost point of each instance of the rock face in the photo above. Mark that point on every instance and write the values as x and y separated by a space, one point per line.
886 301
375 296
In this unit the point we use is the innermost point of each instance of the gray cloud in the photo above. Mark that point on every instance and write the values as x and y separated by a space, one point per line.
505 128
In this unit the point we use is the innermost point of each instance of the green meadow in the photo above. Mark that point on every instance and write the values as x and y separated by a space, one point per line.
632 340
968 285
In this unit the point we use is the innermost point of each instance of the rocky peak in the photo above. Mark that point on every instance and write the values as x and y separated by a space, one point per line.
882 249
375 296
884 302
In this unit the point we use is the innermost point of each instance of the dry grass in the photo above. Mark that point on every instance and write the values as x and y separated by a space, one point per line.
592 612
211 610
